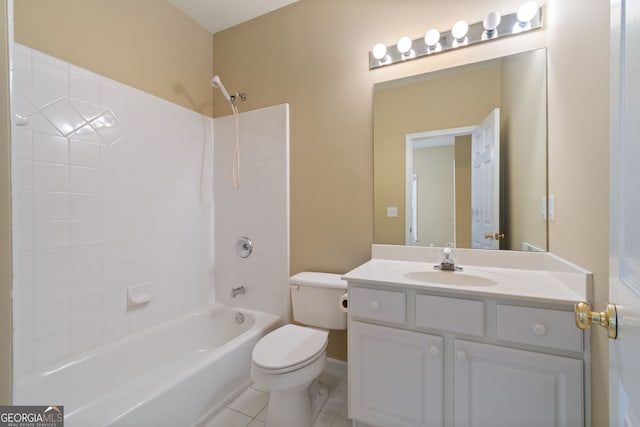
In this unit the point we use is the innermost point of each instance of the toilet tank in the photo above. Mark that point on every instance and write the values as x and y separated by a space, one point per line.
315 299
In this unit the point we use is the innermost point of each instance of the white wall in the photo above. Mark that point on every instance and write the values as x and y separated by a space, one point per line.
119 204
258 210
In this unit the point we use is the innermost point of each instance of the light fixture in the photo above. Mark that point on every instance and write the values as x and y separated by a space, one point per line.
380 52
460 30
432 40
494 26
527 12
404 45
490 24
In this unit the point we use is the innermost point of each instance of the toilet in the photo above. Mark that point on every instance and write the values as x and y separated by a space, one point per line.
288 360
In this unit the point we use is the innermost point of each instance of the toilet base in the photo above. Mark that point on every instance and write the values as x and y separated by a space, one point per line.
297 407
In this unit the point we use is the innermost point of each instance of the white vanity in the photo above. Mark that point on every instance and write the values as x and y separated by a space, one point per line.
493 345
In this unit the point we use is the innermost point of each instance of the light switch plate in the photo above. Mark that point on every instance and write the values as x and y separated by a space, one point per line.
392 212
552 207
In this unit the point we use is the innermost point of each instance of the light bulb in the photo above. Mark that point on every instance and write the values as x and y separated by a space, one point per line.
491 21
459 30
527 12
404 45
432 37
379 51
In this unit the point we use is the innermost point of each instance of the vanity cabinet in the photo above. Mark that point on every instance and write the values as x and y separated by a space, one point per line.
399 375
424 358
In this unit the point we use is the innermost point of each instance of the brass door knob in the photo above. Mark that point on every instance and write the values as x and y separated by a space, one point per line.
607 319
494 236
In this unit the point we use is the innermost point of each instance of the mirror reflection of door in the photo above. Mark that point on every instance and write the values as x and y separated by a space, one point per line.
452 186
485 183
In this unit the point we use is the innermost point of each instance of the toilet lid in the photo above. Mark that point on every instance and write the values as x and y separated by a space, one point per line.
288 346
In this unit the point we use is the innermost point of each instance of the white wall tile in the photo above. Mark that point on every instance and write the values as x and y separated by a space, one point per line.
264 190
84 233
21 144
52 262
49 148
83 153
86 259
49 205
92 219
83 86
50 75
85 337
22 206
50 234
50 177
84 206
22 237
22 175
84 180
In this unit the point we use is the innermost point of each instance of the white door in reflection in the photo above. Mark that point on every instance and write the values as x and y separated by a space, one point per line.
485 183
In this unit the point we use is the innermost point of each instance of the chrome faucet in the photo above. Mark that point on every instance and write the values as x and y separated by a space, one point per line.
239 290
447 263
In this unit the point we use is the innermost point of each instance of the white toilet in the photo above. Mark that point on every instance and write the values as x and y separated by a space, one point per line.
288 360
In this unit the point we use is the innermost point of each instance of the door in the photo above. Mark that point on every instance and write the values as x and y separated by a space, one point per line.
395 376
485 183
499 386
624 248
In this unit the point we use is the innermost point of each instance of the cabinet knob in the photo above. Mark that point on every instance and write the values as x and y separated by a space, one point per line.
462 355
540 329
435 351
374 305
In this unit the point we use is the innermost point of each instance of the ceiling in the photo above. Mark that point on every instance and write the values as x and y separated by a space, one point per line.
217 15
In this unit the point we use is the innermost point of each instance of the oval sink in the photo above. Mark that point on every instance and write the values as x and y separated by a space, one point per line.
456 278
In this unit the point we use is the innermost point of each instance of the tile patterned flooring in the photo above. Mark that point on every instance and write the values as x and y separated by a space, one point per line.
250 408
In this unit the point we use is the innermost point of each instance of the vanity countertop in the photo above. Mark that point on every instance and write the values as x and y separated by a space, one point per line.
541 277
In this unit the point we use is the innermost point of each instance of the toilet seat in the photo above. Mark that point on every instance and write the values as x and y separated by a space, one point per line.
289 348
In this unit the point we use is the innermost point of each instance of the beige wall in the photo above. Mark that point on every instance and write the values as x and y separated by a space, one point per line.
578 74
313 54
453 100
147 44
5 215
523 140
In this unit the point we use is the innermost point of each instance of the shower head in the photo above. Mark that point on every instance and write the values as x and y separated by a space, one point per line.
216 82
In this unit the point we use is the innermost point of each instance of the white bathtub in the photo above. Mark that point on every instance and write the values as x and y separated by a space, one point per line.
175 374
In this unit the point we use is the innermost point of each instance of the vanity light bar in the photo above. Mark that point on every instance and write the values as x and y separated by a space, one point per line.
509 25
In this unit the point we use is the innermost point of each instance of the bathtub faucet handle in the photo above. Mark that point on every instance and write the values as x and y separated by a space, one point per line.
239 290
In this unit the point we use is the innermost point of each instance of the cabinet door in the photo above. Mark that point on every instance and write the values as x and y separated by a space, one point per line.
395 376
498 386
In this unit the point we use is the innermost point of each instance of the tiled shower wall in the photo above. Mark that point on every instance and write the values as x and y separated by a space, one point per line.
259 209
112 188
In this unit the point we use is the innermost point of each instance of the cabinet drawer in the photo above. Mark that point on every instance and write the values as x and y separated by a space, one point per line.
375 304
537 326
450 314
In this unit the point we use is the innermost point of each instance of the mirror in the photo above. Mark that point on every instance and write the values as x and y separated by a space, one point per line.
433 137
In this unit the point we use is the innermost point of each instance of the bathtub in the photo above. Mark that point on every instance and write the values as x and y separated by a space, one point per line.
178 373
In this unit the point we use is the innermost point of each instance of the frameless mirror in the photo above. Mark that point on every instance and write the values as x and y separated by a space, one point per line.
460 156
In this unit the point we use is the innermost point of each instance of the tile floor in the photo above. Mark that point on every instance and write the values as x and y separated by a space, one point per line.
250 408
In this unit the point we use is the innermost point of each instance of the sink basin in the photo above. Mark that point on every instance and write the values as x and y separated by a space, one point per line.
455 278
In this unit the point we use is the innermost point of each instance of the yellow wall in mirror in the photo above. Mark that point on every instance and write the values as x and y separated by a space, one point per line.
463 191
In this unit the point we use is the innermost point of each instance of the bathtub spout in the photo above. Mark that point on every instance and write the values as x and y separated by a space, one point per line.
240 290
